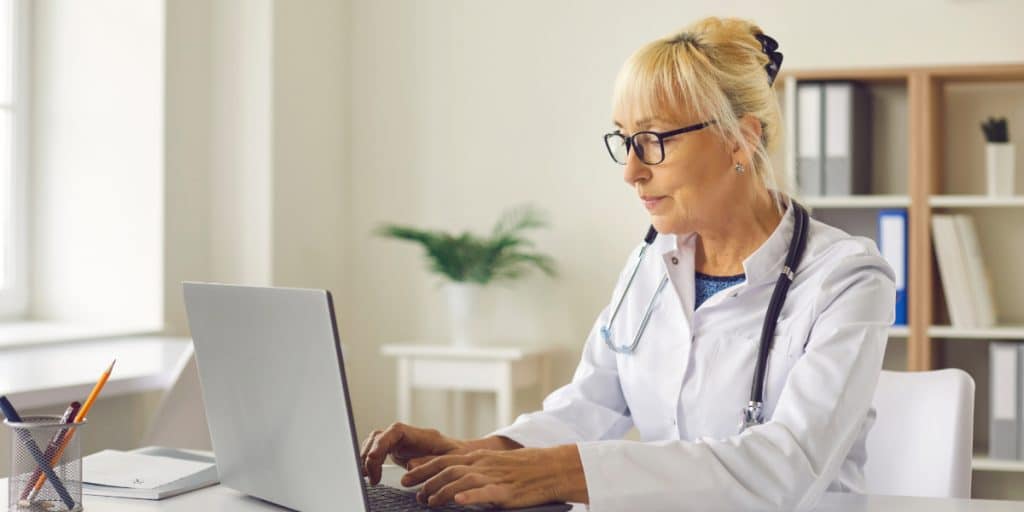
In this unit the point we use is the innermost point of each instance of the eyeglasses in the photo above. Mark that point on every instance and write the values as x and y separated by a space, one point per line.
649 146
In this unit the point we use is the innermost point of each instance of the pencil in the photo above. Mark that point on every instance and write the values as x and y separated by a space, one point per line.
71 432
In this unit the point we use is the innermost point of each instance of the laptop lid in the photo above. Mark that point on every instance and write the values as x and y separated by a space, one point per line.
276 399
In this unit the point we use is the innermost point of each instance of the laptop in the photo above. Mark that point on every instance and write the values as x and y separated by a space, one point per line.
277 402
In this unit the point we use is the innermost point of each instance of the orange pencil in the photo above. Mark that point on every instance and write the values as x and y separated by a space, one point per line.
71 432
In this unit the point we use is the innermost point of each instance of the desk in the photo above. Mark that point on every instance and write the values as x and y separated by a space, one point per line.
497 369
222 499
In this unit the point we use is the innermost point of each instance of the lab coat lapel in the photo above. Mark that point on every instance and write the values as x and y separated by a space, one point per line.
672 323
680 302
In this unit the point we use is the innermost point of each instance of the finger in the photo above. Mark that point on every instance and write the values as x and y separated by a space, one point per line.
443 478
430 468
447 493
490 495
419 461
379 451
366 448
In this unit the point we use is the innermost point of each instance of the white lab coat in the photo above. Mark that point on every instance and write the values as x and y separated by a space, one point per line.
686 384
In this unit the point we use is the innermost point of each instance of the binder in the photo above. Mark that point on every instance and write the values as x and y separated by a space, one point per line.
892 243
847 139
977 276
953 271
1020 400
1004 410
809 143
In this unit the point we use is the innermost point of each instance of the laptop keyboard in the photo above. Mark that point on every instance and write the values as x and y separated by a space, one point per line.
390 499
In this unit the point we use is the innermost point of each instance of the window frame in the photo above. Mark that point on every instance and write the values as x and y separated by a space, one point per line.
14 298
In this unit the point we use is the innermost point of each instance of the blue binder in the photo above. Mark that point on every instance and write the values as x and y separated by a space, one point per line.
892 243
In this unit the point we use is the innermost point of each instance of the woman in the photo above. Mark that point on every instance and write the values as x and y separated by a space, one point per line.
695 115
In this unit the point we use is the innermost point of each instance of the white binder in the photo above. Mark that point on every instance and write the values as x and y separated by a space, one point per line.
1004 404
953 271
977 276
810 127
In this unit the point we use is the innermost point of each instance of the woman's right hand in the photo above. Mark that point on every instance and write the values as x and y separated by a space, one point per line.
405 444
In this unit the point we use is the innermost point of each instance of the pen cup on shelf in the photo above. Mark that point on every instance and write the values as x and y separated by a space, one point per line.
999 163
59 445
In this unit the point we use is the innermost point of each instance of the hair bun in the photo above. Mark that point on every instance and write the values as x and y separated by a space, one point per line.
769 47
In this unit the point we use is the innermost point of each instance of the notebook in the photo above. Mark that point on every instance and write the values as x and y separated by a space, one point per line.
151 473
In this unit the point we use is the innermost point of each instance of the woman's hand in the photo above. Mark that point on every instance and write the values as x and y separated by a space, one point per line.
507 479
404 443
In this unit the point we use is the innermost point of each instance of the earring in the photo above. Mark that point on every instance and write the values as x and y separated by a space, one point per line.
739 169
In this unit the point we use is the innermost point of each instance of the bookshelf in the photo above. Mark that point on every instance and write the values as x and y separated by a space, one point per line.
927 154
928 157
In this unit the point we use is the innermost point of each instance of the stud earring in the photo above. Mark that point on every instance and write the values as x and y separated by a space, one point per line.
739 169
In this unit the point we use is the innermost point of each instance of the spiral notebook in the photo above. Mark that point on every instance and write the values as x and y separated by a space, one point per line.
151 473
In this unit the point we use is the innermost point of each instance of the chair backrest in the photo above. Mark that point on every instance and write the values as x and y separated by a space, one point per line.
921 442
180 419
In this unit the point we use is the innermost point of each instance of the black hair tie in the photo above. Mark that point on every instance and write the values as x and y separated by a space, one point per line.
769 47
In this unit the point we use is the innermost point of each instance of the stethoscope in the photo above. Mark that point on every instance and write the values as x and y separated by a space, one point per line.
753 413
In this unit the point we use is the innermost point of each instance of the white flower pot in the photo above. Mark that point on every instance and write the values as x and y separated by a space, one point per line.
999 168
465 313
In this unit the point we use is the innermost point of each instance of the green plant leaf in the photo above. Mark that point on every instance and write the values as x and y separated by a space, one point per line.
466 257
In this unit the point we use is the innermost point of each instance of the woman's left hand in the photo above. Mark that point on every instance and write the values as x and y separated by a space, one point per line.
507 479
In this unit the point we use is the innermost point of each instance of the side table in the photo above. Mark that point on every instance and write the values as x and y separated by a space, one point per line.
489 368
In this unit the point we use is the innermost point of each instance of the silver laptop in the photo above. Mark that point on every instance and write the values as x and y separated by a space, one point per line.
277 402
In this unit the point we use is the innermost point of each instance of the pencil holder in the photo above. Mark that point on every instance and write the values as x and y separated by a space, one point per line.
999 168
44 439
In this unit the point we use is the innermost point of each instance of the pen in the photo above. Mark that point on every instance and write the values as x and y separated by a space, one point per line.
68 417
13 417
71 432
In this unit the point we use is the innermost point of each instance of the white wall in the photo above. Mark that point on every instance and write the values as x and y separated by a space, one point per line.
187 154
96 161
241 148
460 108
310 142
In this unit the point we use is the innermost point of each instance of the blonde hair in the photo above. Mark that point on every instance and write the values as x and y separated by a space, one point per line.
714 68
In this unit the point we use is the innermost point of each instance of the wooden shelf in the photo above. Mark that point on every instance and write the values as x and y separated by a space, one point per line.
1002 332
866 201
953 73
982 462
902 201
958 201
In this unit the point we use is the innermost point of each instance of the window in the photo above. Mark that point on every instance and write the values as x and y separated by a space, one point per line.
13 131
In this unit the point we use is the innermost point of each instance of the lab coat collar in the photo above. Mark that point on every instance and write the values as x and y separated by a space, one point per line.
763 265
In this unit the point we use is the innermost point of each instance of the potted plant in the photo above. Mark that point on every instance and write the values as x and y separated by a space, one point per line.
467 262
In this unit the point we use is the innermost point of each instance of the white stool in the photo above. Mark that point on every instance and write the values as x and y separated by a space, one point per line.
498 369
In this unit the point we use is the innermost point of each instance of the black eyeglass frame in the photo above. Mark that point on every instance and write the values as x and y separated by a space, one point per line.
661 136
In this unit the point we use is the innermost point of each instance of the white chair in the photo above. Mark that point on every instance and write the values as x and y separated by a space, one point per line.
921 442
180 419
